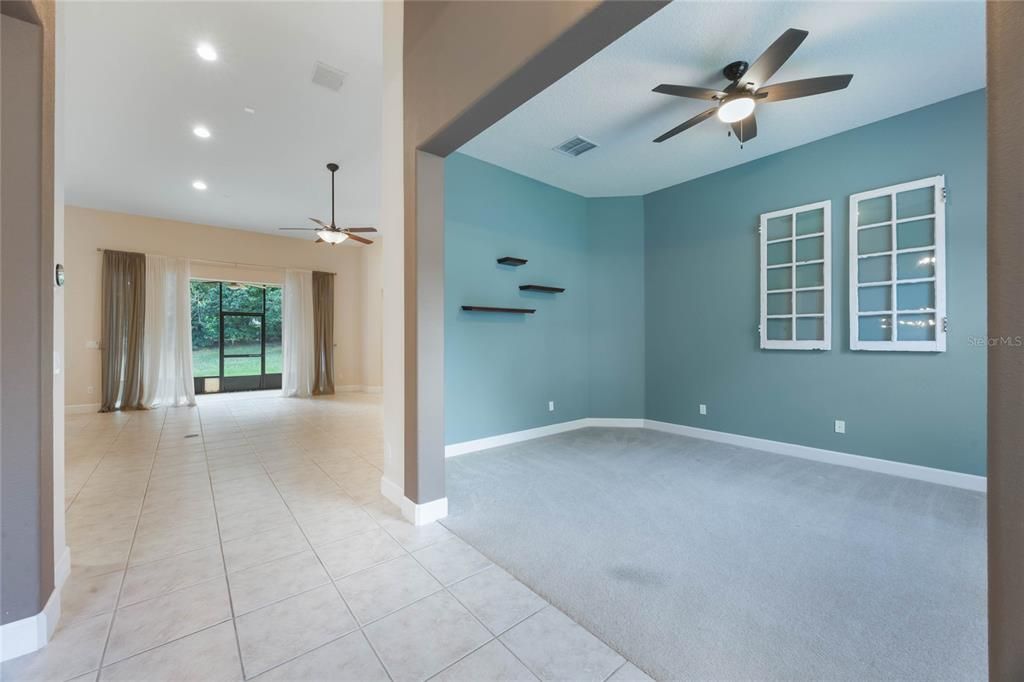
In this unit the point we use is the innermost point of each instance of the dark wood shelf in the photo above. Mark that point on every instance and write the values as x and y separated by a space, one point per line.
541 287
490 309
512 260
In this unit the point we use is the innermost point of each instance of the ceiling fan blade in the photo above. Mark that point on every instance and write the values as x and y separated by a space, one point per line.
704 115
301 229
688 91
745 129
321 223
360 229
774 57
803 88
358 238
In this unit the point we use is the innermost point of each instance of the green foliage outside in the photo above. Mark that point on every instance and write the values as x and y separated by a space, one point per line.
241 333
206 362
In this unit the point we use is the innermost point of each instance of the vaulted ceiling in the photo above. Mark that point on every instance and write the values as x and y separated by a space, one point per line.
904 55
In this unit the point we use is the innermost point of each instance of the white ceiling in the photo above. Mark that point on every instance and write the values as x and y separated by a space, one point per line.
135 88
903 55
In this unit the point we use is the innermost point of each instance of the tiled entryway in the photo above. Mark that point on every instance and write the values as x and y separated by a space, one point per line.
247 538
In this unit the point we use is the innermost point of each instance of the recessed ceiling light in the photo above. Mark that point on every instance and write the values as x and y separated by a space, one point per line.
206 51
201 131
249 110
199 184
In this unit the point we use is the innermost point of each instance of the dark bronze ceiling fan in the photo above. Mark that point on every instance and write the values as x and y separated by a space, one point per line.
332 234
735 103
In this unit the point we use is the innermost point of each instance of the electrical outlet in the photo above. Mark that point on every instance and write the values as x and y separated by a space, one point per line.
90 390
703 409
840 426
551 406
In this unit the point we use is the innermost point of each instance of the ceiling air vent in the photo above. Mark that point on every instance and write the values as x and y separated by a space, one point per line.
575 146
328 76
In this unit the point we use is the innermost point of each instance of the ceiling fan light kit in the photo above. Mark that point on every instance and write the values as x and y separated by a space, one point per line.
332 237
735 103
332 234
735 109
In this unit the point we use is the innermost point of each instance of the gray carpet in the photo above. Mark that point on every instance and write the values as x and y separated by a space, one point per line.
703 561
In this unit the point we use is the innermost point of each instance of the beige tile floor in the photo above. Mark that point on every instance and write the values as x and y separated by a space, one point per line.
247 538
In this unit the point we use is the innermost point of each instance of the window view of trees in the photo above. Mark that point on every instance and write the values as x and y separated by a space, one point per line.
241 334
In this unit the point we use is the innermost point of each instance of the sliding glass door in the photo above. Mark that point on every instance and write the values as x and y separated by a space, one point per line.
236 336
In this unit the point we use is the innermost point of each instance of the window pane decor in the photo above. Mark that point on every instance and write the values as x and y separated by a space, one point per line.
897 267
796 278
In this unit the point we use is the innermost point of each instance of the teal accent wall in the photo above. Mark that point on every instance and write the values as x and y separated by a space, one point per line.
615 255
701 283
582 348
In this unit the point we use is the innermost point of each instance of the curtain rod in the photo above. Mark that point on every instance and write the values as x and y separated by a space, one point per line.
226 262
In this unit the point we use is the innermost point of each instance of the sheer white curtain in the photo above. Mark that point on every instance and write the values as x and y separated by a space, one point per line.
167 340
297 334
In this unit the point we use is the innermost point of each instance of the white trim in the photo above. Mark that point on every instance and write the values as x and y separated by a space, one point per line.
826 265
416 514
882 466
357 388
509 438
938 184
468 446
62 570
86 408
30 634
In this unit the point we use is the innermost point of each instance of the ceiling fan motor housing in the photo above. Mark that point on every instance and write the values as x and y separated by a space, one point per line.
735 71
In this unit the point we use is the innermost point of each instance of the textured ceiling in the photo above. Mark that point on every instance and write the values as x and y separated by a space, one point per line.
903 55
135 88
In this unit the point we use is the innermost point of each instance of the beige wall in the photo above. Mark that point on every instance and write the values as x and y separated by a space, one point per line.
357 286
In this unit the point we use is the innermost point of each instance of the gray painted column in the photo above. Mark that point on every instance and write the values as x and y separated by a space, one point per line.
27 493
424 472
1005 360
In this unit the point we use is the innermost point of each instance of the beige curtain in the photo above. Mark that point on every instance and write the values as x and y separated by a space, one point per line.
124 316
323 333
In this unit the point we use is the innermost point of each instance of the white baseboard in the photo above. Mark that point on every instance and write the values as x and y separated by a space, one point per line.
357 388
884 466
30 634
87 408
509 438
416 514
464 447
62 569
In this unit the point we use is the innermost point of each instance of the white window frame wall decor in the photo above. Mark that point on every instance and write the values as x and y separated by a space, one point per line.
892 308
794 315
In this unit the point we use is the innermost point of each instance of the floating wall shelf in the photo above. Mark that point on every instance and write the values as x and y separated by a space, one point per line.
541 287
490 309
512 260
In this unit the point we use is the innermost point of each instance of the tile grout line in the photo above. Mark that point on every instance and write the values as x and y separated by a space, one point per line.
106 451
220 541
131 547
330 579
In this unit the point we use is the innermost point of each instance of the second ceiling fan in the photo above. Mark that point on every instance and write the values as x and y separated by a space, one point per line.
735 103
332 234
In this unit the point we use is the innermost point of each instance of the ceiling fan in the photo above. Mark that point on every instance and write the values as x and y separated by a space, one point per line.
735 104
332 234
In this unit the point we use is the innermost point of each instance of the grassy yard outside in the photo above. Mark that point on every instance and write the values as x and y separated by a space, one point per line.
206 361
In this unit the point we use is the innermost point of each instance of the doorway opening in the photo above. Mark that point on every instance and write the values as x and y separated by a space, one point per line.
236 336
